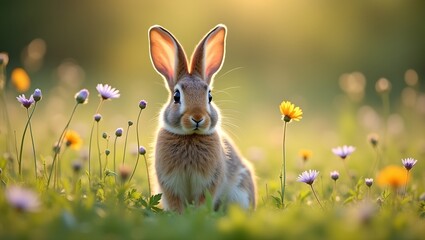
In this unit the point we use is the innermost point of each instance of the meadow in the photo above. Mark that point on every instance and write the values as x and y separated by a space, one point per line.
325 99
59 183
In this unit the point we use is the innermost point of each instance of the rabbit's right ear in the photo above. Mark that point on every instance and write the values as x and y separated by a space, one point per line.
167 55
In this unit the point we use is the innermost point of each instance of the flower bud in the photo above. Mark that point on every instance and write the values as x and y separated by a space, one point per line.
82 96
119 132
97 117
142 104
142 150
37 95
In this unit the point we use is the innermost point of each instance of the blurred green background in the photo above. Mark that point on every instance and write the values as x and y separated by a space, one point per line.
276 50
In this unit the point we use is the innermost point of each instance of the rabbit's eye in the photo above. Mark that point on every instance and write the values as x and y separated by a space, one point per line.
209 96
177 96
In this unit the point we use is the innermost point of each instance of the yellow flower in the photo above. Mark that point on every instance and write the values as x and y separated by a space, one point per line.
73 139
394 176
20 80
290 112
305 154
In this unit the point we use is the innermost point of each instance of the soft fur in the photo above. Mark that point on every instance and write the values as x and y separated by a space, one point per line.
192 154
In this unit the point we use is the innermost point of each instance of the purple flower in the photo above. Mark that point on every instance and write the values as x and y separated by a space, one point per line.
408 163
142 104
82 96
334 175
22 199
24 101
118 132
142 150
97 117
37 95
308 176
107 92
368 181
343 151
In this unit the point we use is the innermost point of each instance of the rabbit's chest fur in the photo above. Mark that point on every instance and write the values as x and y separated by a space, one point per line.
188 165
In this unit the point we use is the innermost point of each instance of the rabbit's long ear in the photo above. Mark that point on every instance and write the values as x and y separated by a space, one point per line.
167 55
209 54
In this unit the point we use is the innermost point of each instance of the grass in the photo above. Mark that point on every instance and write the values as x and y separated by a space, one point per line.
114 205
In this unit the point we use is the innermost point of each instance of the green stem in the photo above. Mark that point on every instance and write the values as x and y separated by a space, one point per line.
138 145
91 138
59 144
315 195
125 144
115 153
32 140
22 142
98 150
283 170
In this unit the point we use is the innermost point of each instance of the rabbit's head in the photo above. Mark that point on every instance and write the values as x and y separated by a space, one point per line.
190 109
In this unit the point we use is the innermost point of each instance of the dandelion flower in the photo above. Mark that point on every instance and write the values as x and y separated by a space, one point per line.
394 176
73 139
305 155
107 92
26 102
22 199
343 151
408 163
20 80
308 176
290 112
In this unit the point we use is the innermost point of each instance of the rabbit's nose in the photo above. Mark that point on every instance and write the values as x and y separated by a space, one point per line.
197 120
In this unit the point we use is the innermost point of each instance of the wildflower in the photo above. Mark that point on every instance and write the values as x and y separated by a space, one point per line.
383 85
130 123
20 80
373 139
105 135
124 172
142 104
308 176
97 117
343 151
118 132
107 152
37 95
82 96
26 102
4 59
290 112
394 176
368 181
334 175
408 163
142 150
305 155
107 92
76 166
22 199
73 139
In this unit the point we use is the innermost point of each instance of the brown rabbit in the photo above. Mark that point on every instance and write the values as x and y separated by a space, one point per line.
192 154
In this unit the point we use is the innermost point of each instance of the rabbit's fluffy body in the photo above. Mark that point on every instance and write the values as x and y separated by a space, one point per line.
192 154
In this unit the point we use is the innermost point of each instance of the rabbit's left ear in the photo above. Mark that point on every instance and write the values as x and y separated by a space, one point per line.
209 54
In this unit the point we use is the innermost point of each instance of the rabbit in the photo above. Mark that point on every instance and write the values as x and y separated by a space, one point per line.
192 155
